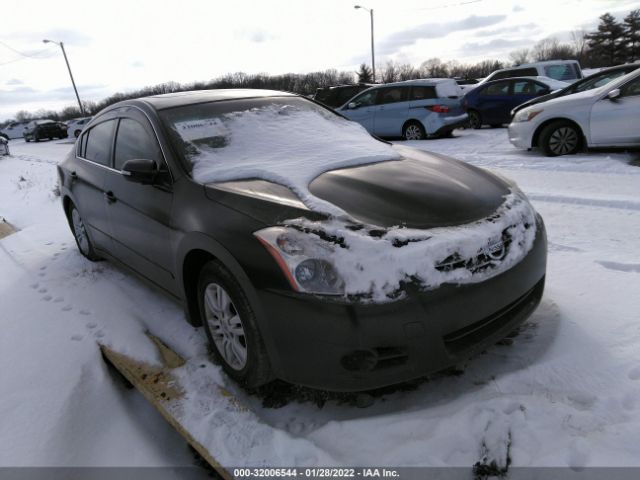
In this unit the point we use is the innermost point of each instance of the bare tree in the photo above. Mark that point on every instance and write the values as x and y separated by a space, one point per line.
519 57
390 72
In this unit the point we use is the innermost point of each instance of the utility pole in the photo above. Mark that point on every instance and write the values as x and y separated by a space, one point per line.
61 45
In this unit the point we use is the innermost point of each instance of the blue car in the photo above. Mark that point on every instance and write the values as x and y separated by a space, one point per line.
412 110
491 102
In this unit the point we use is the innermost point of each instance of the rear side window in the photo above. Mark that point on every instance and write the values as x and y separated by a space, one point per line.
422 93
98 143
500 88
391 95
527 87
366 99
561 72
134 142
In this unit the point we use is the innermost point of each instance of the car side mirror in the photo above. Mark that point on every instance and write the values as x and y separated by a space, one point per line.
352 106
613 94
140 171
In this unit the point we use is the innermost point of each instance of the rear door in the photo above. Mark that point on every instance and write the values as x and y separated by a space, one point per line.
140 215
523 91
391 111
93 160
615 122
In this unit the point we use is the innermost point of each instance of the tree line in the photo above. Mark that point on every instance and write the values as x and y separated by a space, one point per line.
612 43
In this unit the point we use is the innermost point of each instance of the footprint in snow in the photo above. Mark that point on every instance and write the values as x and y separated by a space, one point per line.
42 274
66 308
42 290
620 267
47 298
58 300
49 243
34 285
77 338
43 268
85 312
91 325
634 374
99 334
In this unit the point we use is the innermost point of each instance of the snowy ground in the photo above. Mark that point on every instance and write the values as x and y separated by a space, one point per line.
566 391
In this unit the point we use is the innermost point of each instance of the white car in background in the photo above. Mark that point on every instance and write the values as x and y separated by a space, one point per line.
608 116
14 130
75 126
4 146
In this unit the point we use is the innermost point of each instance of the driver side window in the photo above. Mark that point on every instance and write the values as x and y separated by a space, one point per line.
366 99
134 142
631 89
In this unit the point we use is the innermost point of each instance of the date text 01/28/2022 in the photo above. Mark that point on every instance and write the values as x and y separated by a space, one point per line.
338 473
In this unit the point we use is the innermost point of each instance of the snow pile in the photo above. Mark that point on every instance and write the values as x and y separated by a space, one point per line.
377 265
283 144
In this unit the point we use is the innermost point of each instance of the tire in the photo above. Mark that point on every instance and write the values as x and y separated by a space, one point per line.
475 119
560 138
27 139
413 131
231 327
81 235
76 133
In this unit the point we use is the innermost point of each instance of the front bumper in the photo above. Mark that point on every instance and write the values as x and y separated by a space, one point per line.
351 347
521 134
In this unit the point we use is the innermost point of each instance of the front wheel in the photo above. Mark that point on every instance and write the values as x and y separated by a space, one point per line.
231 327
560 138
413 131
79 231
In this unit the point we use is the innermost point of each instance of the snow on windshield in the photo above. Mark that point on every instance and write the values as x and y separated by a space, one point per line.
285 144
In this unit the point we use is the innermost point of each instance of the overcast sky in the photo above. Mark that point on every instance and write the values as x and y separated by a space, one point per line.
121 45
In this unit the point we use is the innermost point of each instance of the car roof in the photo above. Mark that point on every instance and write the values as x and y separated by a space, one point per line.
177 99
418 81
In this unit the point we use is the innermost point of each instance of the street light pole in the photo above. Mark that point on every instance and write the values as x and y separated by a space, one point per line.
373 56
61 45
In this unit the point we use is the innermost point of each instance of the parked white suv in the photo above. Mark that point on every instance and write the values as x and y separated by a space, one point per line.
604 117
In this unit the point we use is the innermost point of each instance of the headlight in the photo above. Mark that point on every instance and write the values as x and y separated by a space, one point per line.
526 115
304 258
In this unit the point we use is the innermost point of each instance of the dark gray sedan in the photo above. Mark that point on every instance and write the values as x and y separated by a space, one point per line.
373 272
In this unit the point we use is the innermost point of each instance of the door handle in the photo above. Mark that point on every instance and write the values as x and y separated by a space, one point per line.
74 176
110 197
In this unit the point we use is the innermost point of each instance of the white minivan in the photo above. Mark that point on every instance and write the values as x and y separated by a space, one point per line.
563 70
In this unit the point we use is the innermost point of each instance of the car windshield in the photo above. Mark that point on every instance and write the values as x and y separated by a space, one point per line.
285 140
599 81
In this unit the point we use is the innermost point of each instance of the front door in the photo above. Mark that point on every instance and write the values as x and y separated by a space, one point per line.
615 121
140 215
363 110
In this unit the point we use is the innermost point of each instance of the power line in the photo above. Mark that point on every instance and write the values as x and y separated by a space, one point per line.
33 55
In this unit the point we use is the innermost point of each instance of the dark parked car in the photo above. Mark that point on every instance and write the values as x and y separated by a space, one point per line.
4 145
44 129
491 103
269 292
596 80
338 95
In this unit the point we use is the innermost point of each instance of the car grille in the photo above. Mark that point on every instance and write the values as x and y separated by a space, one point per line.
486 258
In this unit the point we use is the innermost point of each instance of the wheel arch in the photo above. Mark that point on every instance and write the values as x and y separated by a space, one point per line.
414 120
536 135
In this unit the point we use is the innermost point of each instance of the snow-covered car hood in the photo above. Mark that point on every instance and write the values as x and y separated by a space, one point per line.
419 190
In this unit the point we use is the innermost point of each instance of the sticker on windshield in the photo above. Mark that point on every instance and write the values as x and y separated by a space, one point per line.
192 130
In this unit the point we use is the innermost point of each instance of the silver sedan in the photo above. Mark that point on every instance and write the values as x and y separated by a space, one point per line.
608 116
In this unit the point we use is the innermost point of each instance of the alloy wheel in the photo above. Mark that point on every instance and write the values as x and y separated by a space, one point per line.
563 140
80 232
225 326
413 132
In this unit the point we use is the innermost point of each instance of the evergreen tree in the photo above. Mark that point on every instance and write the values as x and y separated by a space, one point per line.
364 74
606 42
632 35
